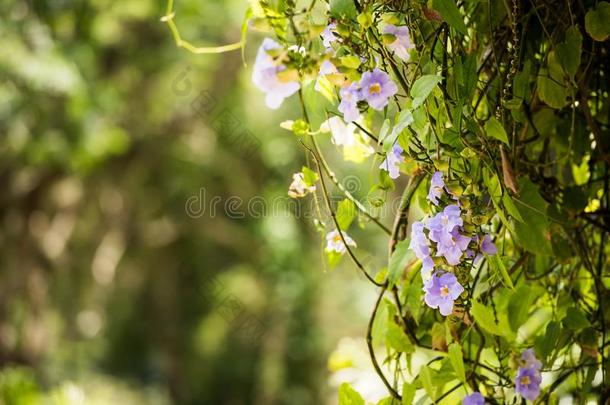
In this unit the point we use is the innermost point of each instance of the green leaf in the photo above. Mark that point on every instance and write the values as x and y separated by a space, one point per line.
309 176
485 318
422 88
408 393
401 256
519 306
349 396
550 83
493 185
403 120
569 51
350 61
346 212
511 208
397 339
425 376
341 9
575 320
496 130
365 19
457 361
451 14
533 233
597 21
549 341
496 264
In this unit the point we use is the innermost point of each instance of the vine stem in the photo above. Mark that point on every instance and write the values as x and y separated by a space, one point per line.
369 343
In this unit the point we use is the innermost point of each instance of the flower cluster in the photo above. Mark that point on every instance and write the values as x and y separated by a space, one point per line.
527 382
375 87
443 236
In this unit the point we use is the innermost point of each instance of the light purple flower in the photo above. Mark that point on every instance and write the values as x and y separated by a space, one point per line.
402 44
264 76
474 399
529 360
437 184
453 249
442 291
376 88
392 162
328 35
527 383
327 68
488 247
349 102
442 224
334 242
419 244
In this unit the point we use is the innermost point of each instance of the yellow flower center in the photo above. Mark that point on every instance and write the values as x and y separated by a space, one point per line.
444 291
337 238
525 380
375 88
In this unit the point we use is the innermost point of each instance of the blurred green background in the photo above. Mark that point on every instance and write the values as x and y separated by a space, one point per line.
121 280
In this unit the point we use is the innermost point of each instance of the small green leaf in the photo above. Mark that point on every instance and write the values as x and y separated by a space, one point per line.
425 376
341 9
365 19
494 129
309 176
575 319
551 83
485 318
496 264
511 208
569 51
422 88
549 341
533 233
349 396
401 256
451 14
457 361
597 21
519 306
346 212
350 61
397 339
408 393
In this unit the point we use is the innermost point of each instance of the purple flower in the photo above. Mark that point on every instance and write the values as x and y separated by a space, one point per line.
488 247
402 44
436 188
328 35
453 248
349 102
376 88
529 360
474 399
419 245
392 162
265 76
527 383
442 224
442 291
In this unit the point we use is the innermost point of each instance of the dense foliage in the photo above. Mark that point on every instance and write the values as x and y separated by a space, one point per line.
497 113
